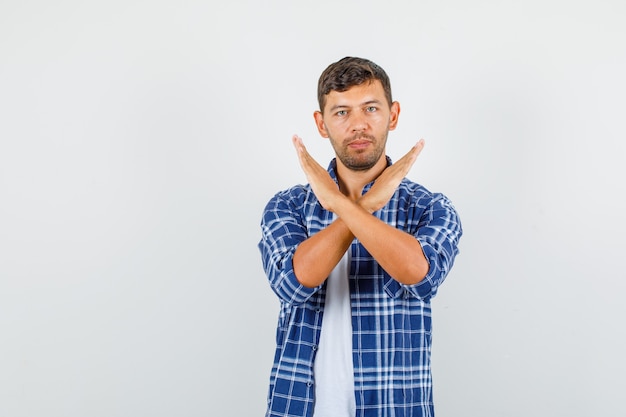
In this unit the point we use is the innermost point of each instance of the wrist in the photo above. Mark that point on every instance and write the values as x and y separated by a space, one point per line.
367 204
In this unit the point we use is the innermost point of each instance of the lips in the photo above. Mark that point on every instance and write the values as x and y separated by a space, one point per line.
359 144
360 141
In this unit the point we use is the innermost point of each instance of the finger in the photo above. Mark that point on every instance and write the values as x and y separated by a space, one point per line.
300 150
415 151
420 145
307 163
297 142
405 163
417 148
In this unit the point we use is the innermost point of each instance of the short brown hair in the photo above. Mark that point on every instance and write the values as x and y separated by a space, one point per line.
348 72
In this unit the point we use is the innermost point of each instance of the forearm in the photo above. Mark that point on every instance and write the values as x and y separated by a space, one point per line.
316 257
397 252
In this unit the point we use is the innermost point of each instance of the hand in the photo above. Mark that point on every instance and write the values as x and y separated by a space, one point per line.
387 183
323 186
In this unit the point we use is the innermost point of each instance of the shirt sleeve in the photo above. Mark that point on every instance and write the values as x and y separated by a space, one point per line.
283 229
438 233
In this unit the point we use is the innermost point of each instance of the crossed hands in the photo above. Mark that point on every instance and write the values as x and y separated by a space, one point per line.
379 194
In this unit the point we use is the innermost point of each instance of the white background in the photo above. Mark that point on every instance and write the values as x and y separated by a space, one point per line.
140 141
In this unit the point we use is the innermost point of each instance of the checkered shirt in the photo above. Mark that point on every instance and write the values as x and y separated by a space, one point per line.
391 322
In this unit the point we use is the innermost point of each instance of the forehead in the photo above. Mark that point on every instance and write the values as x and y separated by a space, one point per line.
357 95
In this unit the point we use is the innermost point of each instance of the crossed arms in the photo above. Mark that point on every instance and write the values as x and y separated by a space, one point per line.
398 252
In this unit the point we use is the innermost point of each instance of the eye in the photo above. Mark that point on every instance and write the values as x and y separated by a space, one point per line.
371 109
341 113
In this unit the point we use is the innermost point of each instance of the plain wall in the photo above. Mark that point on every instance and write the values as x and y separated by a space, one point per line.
140 141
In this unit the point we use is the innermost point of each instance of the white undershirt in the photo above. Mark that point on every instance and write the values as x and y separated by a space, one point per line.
333 367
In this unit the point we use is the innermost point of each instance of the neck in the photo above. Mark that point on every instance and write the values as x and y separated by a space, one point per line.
352 182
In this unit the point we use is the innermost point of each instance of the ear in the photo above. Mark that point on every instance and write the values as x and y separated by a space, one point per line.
319 122
394 113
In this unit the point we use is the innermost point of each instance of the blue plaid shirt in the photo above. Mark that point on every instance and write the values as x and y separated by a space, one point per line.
391 322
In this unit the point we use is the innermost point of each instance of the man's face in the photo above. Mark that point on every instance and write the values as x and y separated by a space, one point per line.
357 122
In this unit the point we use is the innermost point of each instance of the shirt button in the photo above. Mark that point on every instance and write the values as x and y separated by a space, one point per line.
308 384
314 348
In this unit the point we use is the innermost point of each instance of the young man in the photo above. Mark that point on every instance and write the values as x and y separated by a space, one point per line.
355 257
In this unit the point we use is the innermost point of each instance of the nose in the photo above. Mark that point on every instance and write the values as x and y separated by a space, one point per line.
358 122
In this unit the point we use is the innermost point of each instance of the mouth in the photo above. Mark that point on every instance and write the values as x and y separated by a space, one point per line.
360 142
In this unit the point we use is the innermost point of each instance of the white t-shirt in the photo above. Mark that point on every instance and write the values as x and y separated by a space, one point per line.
333 367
